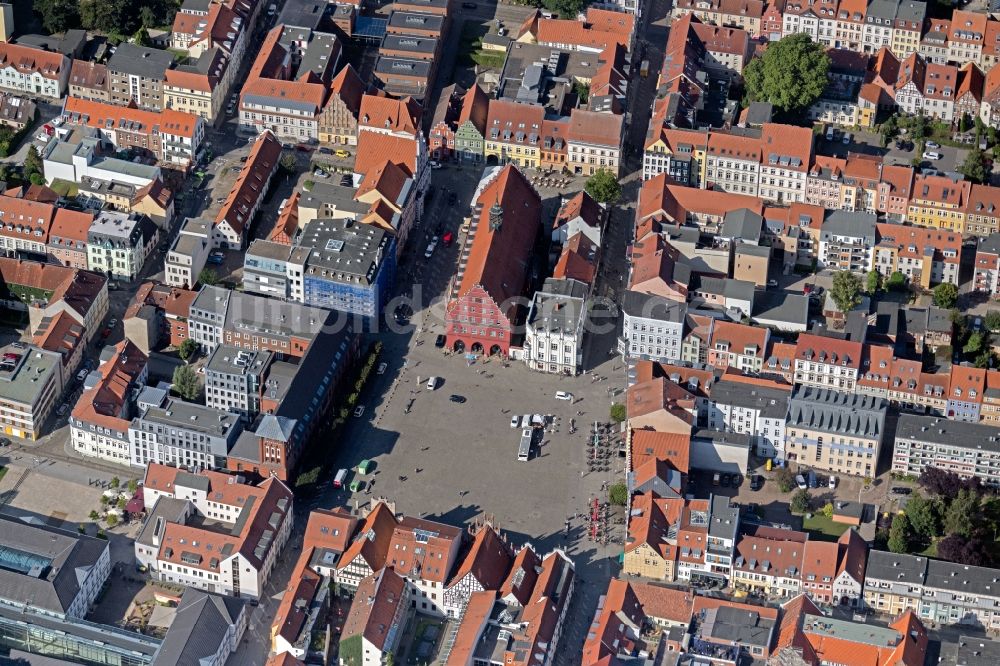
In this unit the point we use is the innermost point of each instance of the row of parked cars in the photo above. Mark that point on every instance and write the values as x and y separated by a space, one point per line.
809 480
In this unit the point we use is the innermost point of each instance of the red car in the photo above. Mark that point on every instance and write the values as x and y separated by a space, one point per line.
106 332
807 289
447 238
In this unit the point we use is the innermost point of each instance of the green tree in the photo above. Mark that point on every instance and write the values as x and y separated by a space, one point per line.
185 382
964 123
33 164
846 290
924 516
618 494
582 91
992 320
984 359
618 412
132 486
900 534
974 167
791 74
115 482
565 8
208 277
57 15
95 516
896 282
141 37
827 510
945 295
603 186
874 282
288 162
974 344
187 349
962 513
785 479
112 519
801 501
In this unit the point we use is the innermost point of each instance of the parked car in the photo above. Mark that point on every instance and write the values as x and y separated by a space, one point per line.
448 238
430 250
901 490
432 383
359 410
381 367
515 421
460 399
325 151
931 155
831 482
440 341
563 395
112 322
811 478
340 152
847 138
932 144
800 481
756 482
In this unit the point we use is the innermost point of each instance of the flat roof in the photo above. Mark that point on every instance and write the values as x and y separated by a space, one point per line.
302 13
855 632
410 44
226 359
403 20
558 306
945 431
191 416
24 383
344 250
393 66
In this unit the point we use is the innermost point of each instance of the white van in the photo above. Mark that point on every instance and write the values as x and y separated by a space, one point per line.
563 395
338 481
432 383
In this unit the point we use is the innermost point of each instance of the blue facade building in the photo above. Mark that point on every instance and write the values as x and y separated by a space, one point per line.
351 266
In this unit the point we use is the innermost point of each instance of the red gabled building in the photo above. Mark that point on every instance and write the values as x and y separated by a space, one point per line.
484 299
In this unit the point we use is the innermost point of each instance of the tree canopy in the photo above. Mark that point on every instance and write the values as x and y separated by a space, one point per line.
974 167
846 290
791 74
114 17
945 295
604 187
900 534
185 382
874 282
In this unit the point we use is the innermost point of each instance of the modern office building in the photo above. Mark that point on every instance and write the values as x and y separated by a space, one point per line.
182 433
351 268
234 380
30 384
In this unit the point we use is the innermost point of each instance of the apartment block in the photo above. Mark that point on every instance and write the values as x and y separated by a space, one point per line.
835 432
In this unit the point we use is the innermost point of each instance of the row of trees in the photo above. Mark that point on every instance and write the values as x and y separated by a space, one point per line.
112 17
847 289
954 517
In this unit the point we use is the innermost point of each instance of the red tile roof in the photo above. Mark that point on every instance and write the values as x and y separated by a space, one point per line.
388 113
29 60
103 404
497 257
375 149
251 184
102 116
672 447
488 561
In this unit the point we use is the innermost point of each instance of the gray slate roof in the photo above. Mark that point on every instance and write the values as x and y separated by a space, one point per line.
772 403
883 565
944 431
200 625
140 61
851 224
69 557
651 306
837 413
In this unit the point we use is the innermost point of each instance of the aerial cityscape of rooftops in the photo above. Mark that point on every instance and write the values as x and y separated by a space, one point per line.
500 333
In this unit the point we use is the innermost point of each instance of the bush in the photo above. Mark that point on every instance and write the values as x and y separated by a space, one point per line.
101 534
95 516
827 510
308 477
618 494
112 519
618 412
